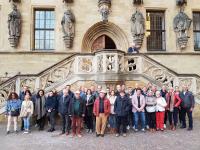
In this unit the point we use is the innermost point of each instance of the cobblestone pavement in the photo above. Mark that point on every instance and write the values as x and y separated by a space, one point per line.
178 140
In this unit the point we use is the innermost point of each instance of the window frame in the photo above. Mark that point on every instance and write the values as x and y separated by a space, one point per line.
43 29
195 31
156 30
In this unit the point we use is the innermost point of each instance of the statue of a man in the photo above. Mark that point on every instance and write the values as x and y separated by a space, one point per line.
67 23
14 22
137 24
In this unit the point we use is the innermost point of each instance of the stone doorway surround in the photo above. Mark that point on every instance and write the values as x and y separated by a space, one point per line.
104 28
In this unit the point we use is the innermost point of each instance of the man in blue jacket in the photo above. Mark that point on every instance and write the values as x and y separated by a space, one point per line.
63 108
187 106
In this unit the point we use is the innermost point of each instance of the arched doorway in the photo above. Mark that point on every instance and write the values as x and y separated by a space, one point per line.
112 33
103 42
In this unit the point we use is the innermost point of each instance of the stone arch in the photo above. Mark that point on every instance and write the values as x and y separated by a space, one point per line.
104 28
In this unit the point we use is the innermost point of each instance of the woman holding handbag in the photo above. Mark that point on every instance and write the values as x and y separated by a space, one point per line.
12 110
26 112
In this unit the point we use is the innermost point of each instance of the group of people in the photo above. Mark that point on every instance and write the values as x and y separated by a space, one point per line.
96 110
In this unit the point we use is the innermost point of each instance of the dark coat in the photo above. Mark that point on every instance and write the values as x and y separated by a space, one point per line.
89 106
51 103
187 100
122 106
63 104
81 107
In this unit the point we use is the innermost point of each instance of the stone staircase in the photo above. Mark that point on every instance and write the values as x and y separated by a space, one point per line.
100 67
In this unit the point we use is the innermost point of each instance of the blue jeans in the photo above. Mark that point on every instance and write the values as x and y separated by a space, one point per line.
141 116
26 123
112 121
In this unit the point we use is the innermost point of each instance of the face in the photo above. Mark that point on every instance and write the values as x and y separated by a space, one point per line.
163 88
92 88
138 92
112 93
68 87
25 88
77 95
118 88
89 92
158 94
27 97
41 93
99 88
150 93
144 89
65 92
185 88
171 90
102 95
123 87
13 96
129 90
177 88
50 93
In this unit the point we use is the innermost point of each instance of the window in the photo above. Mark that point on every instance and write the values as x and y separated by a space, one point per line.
155 26
44 30
196 30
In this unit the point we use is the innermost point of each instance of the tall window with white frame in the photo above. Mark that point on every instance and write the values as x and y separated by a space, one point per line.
44 29
196 30
155 30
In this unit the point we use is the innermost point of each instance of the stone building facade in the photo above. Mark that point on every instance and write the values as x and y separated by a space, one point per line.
86 26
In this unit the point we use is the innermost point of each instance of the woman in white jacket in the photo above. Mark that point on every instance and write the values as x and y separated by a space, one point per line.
160 111
26 112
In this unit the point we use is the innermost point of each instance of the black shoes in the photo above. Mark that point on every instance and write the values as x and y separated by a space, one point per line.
102 135
189 129
183 127
97 135
8 132
51 130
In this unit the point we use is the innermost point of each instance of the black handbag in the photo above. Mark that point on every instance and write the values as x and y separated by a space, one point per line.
15 113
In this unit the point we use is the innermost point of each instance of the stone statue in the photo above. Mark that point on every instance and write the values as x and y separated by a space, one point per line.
14 26
181 26
104 8
181 2
68 28
138 28
137 2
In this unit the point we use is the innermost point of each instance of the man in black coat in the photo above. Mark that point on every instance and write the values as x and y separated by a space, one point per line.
63 108
121 108
187 106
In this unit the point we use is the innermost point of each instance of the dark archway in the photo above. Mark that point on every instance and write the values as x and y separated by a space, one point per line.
103 42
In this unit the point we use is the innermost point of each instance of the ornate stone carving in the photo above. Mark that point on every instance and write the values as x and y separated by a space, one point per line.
158 74
68 1
5 90
56 75
131 64
68 28
138 28
30 82
104 8
110 63
120 63
185 81
85 65
181 2
181 26
14 26
100 63
137 2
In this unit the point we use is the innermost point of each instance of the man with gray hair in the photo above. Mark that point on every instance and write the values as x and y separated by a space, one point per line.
187 106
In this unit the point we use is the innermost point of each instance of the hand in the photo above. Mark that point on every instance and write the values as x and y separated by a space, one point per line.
83 115
191 109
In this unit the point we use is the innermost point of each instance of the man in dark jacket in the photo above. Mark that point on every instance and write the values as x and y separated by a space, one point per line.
121 108
187 106
63 108
77 111
51 106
